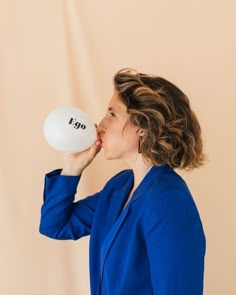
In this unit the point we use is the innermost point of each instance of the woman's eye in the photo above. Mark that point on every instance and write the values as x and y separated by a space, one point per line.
112 114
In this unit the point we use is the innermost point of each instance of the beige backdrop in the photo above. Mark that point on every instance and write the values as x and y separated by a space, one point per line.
56 53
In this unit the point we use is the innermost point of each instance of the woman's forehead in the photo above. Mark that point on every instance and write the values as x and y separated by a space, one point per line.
116 104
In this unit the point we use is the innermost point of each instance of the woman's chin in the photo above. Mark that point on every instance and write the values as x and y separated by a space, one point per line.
108 156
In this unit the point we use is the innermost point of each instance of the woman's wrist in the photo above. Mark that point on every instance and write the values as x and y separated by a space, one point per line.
71 171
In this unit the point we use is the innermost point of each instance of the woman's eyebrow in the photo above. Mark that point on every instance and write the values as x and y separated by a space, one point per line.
119 110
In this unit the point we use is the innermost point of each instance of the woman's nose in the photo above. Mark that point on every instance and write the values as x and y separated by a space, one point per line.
101 128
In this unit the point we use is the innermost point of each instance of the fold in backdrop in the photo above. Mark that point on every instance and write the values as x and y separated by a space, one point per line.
57 53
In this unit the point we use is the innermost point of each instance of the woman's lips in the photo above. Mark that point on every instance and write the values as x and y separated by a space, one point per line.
101 142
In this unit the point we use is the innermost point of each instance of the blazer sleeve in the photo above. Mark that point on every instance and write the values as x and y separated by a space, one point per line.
61 217
175 245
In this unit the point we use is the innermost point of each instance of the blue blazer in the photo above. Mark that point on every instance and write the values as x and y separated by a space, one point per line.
156 245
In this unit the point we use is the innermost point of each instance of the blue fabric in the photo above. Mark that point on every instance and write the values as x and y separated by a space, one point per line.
156 245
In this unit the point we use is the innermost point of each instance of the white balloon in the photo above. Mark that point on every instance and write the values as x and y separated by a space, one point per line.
69 130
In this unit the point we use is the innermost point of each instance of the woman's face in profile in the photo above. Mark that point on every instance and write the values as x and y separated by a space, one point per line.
119 141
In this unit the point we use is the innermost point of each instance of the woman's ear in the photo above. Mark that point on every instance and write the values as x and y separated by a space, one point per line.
141 132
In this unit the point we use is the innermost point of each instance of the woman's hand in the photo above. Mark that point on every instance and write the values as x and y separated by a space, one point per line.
75 163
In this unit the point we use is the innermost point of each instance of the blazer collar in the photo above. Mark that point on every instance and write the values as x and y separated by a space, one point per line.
122 193
152 176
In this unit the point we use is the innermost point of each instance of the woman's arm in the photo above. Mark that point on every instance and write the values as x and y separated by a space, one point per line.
61 217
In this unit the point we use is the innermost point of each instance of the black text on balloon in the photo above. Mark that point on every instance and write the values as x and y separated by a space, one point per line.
76 124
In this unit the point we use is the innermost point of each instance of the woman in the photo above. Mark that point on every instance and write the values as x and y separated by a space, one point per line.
146 235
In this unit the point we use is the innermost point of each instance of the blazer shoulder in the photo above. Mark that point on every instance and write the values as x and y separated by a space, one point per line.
168 199
169 182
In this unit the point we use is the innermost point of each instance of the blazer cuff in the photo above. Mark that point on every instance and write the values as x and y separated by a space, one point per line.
63 185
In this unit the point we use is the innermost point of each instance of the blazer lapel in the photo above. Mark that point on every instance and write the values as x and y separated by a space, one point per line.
119 216
108 242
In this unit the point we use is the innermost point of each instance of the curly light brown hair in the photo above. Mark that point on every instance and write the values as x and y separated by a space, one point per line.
162 111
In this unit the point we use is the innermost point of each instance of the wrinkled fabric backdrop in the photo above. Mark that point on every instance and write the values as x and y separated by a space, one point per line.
65 53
